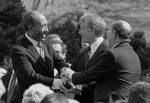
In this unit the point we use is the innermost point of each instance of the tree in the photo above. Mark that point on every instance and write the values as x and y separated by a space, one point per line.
35 4
67 27
10 24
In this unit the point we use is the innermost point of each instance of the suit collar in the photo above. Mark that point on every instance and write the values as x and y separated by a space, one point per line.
24 41
122 43
98 52
34 42
34 53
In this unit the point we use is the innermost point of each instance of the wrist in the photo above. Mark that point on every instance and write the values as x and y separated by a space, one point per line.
56 84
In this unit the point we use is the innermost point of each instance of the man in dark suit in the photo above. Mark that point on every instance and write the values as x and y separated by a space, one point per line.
117 69
31 60
92 29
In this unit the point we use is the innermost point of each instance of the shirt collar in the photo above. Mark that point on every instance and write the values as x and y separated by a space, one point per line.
116 45
96 44
34 42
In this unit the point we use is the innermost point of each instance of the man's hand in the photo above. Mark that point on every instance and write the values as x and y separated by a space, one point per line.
57 83
70 88
66 72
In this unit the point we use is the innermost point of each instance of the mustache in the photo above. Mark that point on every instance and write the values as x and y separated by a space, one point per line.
45 33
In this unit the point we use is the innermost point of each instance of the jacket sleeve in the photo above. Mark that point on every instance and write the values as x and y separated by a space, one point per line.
24 69
102 69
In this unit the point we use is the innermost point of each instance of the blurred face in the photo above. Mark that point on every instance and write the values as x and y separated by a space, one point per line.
85 32
40 29
58 51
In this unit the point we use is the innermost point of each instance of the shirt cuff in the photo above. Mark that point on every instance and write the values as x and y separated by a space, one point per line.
56 84
79 87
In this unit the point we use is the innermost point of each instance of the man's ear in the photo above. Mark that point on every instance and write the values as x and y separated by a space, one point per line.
115 33
29 27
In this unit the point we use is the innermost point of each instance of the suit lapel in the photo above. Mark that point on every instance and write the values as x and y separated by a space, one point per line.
86 57
48 58
33 52
97 55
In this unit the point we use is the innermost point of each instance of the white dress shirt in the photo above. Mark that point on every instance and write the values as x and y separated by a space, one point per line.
95 45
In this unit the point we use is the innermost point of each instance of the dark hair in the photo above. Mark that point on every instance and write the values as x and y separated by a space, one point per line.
138 34
138 40
28 20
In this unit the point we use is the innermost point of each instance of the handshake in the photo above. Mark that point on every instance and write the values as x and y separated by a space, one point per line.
65 84
66 77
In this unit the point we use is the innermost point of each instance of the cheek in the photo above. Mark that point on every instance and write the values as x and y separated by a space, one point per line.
109 37
111 40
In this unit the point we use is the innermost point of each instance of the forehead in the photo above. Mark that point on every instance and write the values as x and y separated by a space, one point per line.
40 18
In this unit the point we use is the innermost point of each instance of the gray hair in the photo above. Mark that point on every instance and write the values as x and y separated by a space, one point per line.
95 23
123 29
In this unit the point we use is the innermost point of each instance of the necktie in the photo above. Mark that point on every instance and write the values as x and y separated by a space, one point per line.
87 55
89 52
41 51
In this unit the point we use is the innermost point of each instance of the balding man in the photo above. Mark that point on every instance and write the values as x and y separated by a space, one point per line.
117 69
30 58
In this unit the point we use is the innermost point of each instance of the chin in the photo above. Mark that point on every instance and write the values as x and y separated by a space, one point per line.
42 38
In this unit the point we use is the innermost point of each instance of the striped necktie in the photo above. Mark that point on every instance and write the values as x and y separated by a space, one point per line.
41 51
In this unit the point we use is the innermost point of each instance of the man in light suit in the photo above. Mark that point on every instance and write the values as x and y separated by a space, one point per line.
117 69
31 60
92 29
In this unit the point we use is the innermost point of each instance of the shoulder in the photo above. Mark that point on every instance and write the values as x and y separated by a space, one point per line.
17 49
82 50
109 54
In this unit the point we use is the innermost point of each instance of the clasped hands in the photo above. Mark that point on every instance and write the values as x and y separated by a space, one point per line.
66 78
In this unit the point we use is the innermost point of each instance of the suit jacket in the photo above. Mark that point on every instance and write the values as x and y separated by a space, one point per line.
117 70
30 67
82 64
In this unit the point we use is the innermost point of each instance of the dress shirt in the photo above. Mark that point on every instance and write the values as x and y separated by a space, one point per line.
2 72
95 45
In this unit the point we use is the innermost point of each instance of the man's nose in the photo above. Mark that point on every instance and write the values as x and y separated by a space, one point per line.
46 28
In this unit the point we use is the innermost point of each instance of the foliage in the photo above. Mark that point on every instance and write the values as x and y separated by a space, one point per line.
10 27
67 27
